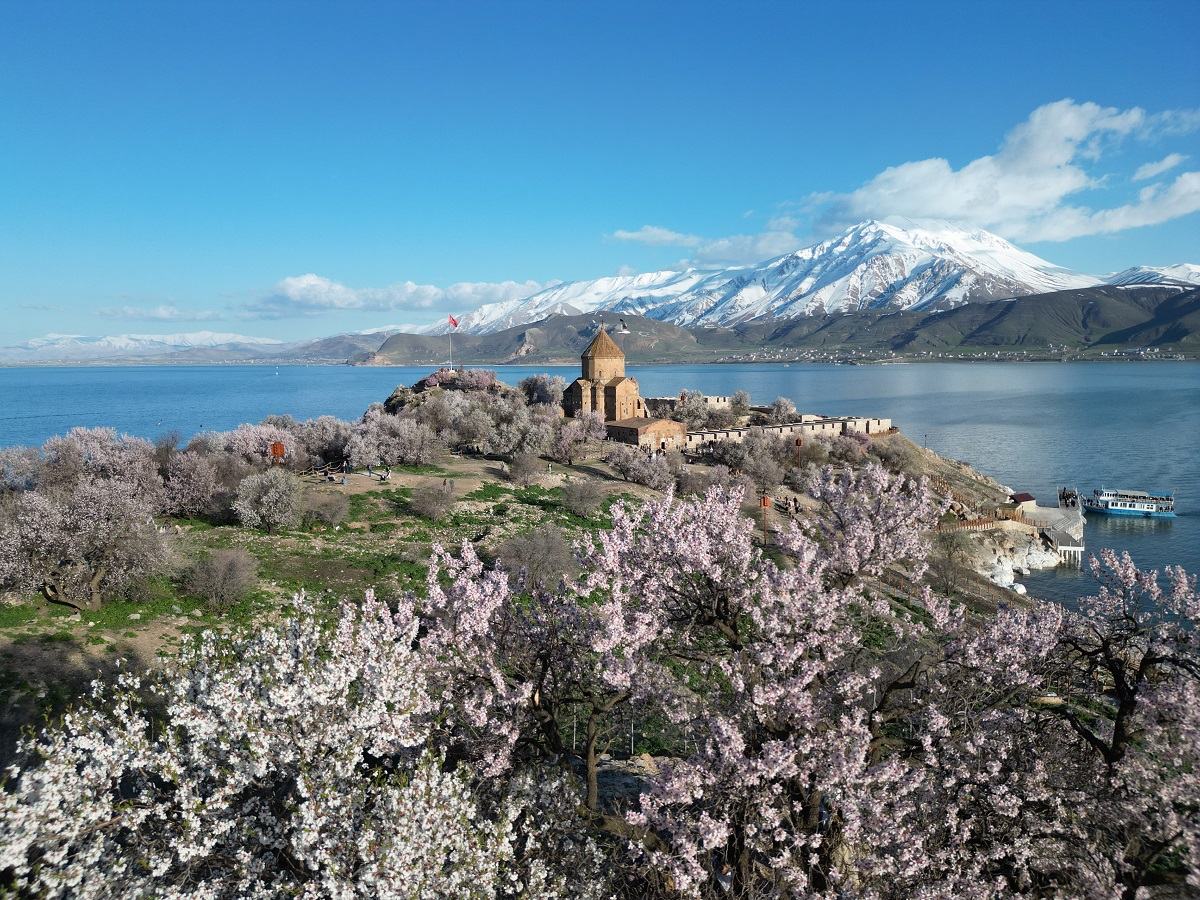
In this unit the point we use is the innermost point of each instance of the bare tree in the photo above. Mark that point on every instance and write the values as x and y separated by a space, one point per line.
326 507
524 469
543 555
432 502
950 552
222 577
583 496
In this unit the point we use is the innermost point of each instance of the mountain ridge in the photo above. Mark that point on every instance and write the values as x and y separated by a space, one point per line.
891 266
1100 319
896 263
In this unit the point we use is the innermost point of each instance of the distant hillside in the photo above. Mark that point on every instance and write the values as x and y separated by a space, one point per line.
337 349
1078 319
559 340
1105 316
1150 314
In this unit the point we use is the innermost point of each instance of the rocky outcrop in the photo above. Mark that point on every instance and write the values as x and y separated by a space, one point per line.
1001 555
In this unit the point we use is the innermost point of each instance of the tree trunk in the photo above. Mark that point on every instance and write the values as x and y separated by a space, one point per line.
589 755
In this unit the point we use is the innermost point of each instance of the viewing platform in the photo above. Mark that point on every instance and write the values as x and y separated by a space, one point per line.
1061 525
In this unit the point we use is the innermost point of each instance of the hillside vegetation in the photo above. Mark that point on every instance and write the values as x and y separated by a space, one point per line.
496 674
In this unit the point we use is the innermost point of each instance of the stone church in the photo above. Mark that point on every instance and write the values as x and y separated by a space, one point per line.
604 387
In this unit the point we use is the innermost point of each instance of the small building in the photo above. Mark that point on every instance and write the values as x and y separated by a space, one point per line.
1026 502
653 434
603 387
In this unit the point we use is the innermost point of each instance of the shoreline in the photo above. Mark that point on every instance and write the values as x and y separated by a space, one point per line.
849 359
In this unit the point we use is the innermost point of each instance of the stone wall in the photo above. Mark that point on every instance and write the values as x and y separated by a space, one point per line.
808 426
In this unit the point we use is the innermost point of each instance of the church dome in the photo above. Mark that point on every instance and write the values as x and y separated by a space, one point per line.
602 347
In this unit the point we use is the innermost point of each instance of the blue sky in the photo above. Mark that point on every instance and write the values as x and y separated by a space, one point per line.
295 169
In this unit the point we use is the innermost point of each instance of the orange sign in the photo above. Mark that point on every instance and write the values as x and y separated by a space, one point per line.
278 451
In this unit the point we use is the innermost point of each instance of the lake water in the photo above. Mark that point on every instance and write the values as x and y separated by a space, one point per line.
1033 426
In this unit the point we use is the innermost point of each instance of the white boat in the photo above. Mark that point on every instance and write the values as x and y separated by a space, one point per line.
1131 503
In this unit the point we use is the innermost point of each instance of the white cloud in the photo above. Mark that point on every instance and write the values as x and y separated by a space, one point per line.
1156 203
655 236
733 250
740 249
164 312
311 295
1022 192
1153 170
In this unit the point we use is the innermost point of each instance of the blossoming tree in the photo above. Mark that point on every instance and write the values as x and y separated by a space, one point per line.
823 737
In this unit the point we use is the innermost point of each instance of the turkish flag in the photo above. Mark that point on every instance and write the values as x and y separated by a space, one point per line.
454 321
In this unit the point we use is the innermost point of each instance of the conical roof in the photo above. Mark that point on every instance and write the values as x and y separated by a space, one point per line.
602 347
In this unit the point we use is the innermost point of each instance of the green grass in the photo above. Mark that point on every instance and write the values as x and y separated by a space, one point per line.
15 616
490 491
156 598
380 505
57 637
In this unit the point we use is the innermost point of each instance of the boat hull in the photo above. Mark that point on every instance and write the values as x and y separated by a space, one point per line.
1129 513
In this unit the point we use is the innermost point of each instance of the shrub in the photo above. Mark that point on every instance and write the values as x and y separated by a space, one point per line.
697 480
583 497
814 452
896 455
223 577
721 418
847 448
325 507
524 469
432 502
543 554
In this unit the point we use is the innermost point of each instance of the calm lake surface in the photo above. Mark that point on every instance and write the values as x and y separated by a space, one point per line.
1033 426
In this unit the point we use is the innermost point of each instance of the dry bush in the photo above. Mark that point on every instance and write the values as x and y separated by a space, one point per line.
583 497
223 577
325 507
432 502
698 479
543 554
896 456
524 469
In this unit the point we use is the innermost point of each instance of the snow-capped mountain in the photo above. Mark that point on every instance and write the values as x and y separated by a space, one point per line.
78 347
1183 274
900 263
